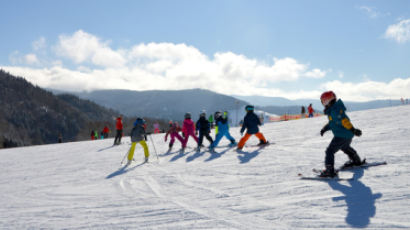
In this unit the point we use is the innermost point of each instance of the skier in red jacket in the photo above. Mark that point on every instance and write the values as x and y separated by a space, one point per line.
119 128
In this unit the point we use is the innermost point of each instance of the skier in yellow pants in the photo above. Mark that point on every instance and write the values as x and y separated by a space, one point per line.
138 135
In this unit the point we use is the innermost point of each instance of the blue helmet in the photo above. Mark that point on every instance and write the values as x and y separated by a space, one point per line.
139 121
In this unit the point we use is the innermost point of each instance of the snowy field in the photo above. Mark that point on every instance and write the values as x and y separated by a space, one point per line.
82 186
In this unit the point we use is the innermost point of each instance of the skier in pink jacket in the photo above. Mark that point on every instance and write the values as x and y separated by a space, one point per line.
173 132
188 129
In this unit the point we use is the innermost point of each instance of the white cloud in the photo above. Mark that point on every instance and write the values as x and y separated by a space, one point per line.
399 32
370 90
39 44
82 47
371 12
31 59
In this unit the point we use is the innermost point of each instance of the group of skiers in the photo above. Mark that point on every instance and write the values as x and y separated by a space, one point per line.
339 123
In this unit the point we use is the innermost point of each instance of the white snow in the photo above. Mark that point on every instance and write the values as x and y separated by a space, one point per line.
81 186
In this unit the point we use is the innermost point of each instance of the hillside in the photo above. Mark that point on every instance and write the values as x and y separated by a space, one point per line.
162 104
30 115
82 186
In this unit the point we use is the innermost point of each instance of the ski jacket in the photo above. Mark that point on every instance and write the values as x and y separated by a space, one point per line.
222 124
310 109
203 125
119 124
251 123
339 122
137 133
188 126
106 130
173 129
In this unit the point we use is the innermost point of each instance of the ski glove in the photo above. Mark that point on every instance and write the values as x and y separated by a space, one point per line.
356 132
322 131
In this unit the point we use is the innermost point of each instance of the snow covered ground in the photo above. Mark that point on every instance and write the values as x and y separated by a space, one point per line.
82 186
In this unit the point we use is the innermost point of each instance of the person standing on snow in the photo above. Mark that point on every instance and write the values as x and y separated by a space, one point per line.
106 130
310 110
188 129
223 129
173 132
138 135
204 128
343 132
251 123
119 128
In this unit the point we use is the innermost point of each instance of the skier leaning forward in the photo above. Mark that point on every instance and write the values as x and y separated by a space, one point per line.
343 132
138 135
222 129
173 132
251 123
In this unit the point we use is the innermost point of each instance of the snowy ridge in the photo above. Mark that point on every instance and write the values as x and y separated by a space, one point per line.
81 185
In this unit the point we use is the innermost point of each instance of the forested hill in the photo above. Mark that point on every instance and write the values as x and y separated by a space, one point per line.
30 115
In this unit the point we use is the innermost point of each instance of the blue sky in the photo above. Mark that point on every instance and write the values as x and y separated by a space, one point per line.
292 49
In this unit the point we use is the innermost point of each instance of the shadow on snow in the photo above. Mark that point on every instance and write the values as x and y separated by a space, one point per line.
122 170
359 199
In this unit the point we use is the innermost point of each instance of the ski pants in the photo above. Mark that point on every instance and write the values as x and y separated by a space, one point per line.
132 149
187 134
245 138
201 138
337 144
118 136
177 136
219 137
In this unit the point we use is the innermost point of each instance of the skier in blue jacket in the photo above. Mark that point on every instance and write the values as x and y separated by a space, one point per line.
222 125
343 131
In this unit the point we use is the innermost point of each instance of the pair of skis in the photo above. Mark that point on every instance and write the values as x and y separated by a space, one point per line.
340 178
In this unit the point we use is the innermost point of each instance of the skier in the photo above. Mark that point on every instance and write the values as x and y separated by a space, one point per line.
343 132
138 135
251 123
310 110
302 112
211 121
119 128
106 130
92 135
173 132
188 129
156 127
223 129
204 128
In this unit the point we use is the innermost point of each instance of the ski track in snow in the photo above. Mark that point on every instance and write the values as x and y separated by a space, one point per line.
81 185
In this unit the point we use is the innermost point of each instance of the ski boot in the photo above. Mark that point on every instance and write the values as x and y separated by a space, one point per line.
328 172
262 143
232 144
146 160
198 149
353 162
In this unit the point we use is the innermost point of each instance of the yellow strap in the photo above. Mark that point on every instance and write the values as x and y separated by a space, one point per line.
347 124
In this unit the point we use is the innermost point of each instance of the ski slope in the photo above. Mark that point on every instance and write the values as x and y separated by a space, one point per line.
82 186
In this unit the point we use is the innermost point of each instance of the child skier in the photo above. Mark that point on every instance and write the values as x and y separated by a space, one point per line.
204 128
138 135
343 132
173 132
251 123
188 129
222 128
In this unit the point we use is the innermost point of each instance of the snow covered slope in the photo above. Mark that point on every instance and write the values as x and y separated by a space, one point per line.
81 185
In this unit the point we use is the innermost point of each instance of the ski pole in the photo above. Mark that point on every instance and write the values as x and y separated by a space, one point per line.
154 147
125 156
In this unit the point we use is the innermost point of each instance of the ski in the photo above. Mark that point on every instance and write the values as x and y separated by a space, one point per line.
318 178
365 165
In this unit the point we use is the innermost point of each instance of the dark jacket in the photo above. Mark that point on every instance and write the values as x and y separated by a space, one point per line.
203 125
137 133
251 123
339 122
